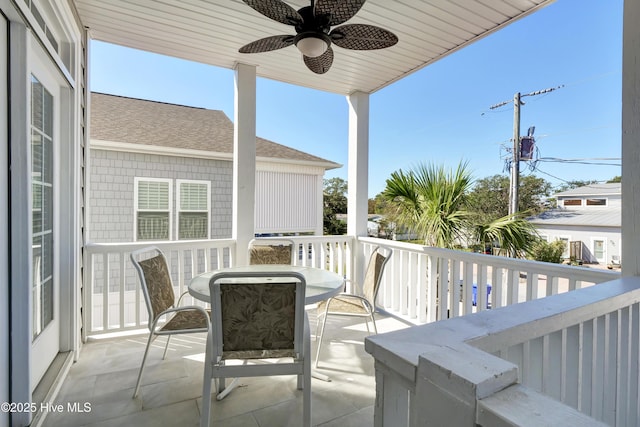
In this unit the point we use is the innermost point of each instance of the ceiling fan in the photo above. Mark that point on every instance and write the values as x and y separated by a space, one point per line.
313 30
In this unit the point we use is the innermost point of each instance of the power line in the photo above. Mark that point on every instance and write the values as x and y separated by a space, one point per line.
515 165
588 161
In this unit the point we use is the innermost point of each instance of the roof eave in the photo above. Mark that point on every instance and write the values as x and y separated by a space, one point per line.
128 147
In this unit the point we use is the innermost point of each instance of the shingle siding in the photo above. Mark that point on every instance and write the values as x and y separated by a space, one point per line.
111 217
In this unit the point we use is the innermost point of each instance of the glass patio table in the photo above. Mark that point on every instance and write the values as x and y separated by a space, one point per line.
320 284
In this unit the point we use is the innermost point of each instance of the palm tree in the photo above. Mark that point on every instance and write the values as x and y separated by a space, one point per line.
432 201
513 234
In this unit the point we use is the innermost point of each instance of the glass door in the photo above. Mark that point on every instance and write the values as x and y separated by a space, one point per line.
598 250
44 131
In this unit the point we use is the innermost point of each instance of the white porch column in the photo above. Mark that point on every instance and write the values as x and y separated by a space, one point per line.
358 173
631 139
244 160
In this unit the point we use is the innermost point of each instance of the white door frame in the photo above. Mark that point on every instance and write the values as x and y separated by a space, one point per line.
20 230
26 56
604 249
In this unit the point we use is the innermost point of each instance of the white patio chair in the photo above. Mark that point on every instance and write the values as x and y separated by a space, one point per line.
271 251
257 316
356 305
159 297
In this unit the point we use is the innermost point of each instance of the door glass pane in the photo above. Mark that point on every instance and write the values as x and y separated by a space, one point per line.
598 249
42 205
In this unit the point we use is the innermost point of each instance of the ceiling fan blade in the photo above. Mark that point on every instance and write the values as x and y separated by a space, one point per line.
362 37
267 44
276 10
339 11
320 64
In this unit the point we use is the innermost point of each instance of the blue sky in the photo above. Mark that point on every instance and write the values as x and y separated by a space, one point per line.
441 113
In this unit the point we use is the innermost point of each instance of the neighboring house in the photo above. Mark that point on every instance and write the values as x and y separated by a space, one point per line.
588 219
164 172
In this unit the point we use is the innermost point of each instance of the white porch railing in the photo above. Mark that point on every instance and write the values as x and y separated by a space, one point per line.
113 300
570 359
410 289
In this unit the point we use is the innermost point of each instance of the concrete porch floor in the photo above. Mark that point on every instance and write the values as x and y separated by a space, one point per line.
171 392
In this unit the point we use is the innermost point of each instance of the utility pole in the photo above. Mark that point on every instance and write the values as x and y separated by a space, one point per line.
515 163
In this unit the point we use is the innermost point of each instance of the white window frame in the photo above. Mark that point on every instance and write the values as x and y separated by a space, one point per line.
136 182
179 182
572 199
606 202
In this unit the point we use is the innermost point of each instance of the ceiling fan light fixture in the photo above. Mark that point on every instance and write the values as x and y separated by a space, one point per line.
312 44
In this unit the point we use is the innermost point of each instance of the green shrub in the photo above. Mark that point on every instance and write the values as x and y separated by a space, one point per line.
548 251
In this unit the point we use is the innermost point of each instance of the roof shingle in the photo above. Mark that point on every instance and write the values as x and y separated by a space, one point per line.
137 121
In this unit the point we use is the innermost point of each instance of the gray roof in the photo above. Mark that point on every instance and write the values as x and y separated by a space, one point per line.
593 190
138 121
597 217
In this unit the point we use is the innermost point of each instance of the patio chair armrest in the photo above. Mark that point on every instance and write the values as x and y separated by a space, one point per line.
180 298
347 295
184 308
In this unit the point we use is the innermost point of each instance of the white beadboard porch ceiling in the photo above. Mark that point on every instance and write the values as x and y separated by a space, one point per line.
212 31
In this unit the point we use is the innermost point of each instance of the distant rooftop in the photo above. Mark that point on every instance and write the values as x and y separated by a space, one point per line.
601 217
593 190
138 121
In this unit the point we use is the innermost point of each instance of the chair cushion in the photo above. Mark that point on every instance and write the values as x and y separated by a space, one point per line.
187 319
344 304
270 255
258 317
372 276
156 275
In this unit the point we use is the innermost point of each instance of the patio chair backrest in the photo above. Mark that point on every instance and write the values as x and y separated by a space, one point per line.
373 274
155 281
271 251
257 315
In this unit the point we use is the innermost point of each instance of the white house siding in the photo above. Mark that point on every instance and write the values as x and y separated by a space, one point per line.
111 190
611 236
288 202
613 201
584 222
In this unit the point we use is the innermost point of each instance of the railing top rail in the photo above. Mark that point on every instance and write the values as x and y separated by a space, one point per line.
328 238
535 267
96 248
